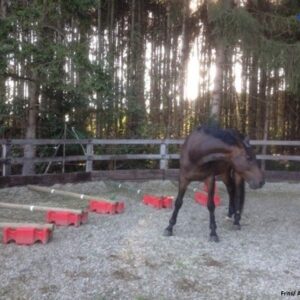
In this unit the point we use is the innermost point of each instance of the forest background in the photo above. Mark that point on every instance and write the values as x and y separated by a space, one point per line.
149 68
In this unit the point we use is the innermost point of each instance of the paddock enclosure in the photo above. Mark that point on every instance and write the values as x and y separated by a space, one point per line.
126 256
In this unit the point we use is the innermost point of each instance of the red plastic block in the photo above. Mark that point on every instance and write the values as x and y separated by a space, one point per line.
153 201
201 197
103 207
158 202
120 207
167 201
26 235
66 218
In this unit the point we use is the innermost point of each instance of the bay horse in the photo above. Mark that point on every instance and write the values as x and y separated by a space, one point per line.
209 152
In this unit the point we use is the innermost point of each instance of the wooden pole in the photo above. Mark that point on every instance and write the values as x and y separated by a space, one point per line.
163 152
6 154
89 160
64 148
38 208
50 162
36 225
65 193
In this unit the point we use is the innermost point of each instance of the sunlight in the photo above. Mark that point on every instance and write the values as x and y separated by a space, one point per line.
194 69
192 80
193 5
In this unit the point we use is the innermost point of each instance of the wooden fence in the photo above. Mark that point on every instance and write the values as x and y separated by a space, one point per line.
163 155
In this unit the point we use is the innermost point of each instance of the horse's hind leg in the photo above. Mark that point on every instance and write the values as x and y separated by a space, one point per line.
210 181
183 183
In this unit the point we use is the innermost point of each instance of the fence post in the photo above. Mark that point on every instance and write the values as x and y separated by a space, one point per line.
89 157
6 152
163 165
263 152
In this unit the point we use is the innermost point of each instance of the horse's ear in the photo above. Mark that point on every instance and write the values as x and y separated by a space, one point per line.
246 142
247 139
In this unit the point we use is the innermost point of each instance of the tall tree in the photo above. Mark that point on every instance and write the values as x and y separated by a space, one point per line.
220 44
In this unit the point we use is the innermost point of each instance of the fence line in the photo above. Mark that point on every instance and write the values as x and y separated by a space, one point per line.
89 156
130 142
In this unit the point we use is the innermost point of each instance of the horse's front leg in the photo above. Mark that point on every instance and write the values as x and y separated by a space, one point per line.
239 197
228 180
211 208
183 183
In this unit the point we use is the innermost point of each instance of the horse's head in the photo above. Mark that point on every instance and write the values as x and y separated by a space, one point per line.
244 162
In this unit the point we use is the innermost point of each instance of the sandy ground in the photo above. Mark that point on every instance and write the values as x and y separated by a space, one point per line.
126 256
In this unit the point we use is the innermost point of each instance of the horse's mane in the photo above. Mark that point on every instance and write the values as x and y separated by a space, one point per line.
228 136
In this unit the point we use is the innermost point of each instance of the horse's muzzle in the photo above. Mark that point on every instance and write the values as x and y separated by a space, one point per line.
256 185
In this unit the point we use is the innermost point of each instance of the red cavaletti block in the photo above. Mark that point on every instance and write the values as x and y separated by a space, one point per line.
120 207
65 218
153 201
26 235
167 201
201 197
103 207
158 202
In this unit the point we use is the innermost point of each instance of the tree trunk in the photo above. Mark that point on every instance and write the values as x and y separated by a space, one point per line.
215 105
268 103
244 90
166 75
262 105
136 69
218 83
183 67
99 101
4 59
3 9
30 150
253 97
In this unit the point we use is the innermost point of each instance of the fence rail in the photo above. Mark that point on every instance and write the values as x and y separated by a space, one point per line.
88 149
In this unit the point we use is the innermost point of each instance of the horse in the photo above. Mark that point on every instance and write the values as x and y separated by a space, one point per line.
210 151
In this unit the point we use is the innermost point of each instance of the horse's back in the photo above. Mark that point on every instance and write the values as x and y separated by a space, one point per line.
206 140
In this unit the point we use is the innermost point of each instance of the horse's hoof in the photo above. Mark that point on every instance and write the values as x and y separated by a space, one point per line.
168 232
227 218
214 238
236 227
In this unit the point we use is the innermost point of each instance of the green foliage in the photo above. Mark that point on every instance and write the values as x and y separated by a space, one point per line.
80 8
233 25
7 43
101 81
270 36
